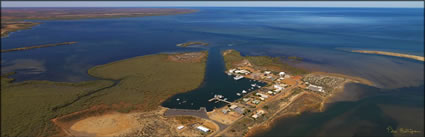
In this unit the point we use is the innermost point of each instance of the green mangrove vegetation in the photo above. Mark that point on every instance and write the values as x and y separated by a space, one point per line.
28 107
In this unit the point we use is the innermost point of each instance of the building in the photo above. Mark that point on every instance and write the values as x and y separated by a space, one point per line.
242 71
270 92
262 95
267 72
277 88
239 110
255 116
246 99
260 112
256 101
203 129
180 127
233 106
232 70
315 88
261 98
281 74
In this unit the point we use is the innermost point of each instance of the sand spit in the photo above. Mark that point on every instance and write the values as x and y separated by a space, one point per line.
420 58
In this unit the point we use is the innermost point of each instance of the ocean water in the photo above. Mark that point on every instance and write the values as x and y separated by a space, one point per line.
322 36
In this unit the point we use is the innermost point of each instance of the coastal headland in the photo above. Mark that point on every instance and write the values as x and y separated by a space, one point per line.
289 92
13 19
39 46
420 58
12 26
126 99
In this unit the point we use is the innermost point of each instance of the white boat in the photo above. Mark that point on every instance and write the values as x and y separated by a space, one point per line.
225 99
239 94
220 96
177 99
238 77
243 91
253 85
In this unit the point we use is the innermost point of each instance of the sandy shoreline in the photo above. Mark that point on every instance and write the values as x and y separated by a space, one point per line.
420 58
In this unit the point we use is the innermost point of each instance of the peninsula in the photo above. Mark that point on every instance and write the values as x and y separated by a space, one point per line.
192 43
420 58
126 99
39 46
13 19
12 26
46 108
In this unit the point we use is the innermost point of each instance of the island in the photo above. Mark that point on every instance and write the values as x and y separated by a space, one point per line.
420 58
39 46
190 43
13 19
126 99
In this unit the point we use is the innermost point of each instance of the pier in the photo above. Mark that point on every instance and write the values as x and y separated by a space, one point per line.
218 99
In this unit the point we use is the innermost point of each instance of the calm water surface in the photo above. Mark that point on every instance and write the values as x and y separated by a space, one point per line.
322 36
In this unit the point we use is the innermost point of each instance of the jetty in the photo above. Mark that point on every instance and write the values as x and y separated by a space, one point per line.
218 99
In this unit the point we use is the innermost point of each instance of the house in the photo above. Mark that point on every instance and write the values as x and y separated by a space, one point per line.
246 99
267 72
256 101
180 127
233 107
203 129
262 95
261 98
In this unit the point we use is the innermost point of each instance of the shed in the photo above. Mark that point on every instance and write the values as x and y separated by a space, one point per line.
203 129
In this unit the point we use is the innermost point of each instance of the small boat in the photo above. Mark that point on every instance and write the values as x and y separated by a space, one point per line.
259 86
219 96
243 91
239 94
253 85
177 99
225 99
238 77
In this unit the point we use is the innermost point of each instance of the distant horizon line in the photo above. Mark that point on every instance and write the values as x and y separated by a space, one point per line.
220 7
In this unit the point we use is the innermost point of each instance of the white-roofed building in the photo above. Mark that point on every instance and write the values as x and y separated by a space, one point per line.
180 127
281 74
203 129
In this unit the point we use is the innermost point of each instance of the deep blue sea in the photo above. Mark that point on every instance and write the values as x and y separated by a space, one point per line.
322 36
